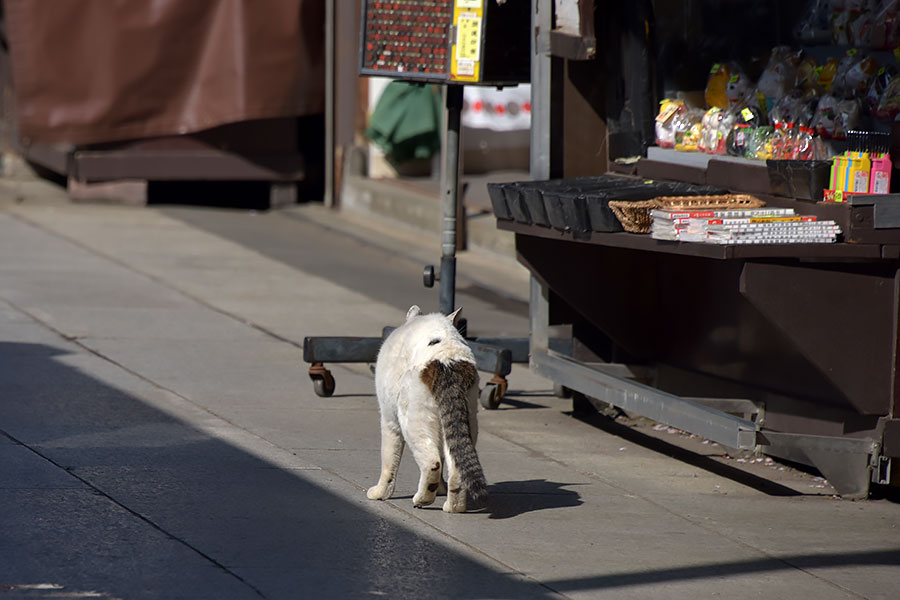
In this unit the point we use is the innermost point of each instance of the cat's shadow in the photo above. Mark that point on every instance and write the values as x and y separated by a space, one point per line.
508 499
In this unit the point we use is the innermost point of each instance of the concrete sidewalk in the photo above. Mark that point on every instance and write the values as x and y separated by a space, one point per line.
159 438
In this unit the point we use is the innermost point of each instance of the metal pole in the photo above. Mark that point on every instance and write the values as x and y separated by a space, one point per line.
450 197
329 198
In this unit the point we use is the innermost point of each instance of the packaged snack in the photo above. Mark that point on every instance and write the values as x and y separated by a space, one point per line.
889 103
665 122
839 20
726 123
779 75
826 74
688 130
815 27
859 22
879 32
803 144
854 71
710 129
859 77
760 143
846 118
877 87
738 139
788 108
826 118
807 75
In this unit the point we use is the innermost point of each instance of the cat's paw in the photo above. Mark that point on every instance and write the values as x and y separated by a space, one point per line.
420 499
457 505
377 492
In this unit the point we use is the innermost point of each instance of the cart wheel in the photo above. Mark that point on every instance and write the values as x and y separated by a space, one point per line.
490 396
323 382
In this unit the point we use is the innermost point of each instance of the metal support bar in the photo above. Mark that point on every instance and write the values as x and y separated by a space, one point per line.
341 349
817 443
650 402
450 199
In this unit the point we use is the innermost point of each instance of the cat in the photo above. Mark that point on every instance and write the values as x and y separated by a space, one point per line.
427 387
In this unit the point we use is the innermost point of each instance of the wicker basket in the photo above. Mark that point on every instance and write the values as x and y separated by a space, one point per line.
635 216
723 201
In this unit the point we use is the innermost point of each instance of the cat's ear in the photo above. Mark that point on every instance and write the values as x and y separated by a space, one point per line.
454 316
414 311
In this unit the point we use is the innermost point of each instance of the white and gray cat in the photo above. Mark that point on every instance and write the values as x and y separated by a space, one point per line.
427 387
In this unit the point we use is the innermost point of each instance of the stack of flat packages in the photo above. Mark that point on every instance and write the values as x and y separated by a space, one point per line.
742 226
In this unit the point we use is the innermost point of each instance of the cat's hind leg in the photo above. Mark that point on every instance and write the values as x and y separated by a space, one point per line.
456 495
428 456
391 451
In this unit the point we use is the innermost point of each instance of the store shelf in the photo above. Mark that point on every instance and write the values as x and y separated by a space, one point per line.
839 251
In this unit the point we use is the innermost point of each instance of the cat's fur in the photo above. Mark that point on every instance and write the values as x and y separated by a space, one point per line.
427 387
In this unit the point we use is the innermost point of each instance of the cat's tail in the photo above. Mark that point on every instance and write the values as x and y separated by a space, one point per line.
450 384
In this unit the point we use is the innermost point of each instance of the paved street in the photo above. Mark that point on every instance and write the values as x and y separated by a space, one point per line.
160 438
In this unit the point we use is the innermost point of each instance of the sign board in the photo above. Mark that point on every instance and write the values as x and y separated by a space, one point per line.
447 41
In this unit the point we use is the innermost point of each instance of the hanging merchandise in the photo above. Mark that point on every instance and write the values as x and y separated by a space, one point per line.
665 122
889 102
779 75
815 27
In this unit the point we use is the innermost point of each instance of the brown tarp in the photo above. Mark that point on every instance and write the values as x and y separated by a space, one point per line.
92 71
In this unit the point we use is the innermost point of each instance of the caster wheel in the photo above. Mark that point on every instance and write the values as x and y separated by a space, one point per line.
490 396
323 382
324 388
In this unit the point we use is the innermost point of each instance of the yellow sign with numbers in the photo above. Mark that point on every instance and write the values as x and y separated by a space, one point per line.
468 16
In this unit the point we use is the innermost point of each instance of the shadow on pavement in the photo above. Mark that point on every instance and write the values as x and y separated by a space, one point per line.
805 562
512 498
101 491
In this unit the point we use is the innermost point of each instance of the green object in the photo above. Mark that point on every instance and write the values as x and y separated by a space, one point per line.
406 122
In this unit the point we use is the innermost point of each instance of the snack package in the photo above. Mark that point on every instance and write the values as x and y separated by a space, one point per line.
779 75
815 27
826 113
859 77
889 103
688 128
665 122
803 148
738 139
877 87
846 118
840 18
854 71
760 144
859 22
826 73
888 19
787 109
807 79
710 129
726 123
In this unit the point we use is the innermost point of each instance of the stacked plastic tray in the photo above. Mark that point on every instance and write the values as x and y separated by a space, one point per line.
580 205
